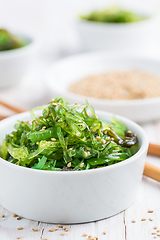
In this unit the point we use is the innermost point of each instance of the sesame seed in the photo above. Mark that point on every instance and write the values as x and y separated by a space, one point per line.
51 230
98 138
135 135
76 103
14 215
150 219
37 143
129 131
52 100
56 228
56 118
30 124
107 138
95 116
105 132
53 139
60 226
89 237
116 148
85 154
2 215
37 122
68 165
84 234
44 127
19 237
66 229
35 229
112 139
104 232
103 141
11 135
92 131
78 134
62 233
158 234
40 116
143 219
20 228
155 236
60 104
44 238
81 165
101 85
154 233
150 211
54 104
27 121
158 230
155 227
69 149
133 221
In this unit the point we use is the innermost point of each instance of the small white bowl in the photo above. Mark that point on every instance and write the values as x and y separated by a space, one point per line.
15 63
136 37
71 197
67 71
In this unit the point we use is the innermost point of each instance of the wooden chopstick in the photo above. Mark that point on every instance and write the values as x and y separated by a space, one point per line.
149 169
3 117
11 107
154 149
152 171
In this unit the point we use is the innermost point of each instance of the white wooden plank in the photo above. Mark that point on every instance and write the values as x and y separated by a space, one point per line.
9 227
148 198
94 229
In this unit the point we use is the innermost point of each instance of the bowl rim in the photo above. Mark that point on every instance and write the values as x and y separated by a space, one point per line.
141 151
30 46
101 54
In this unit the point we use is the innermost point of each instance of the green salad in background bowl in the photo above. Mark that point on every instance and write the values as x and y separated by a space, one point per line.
68 137
119 29
9 41
17 50
113 14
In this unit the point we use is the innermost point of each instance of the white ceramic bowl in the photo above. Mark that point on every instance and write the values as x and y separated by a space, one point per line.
141 36
71 197
67 71
15 63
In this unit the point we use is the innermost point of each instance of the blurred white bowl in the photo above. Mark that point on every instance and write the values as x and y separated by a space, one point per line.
15 63
136 37
65 72
75 196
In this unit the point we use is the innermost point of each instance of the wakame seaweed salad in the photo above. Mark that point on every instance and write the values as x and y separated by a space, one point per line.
113 14
68 137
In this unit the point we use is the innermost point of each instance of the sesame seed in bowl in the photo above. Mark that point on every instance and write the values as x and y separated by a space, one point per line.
123 84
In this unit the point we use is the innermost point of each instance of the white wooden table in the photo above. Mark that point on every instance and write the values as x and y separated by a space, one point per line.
31 92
